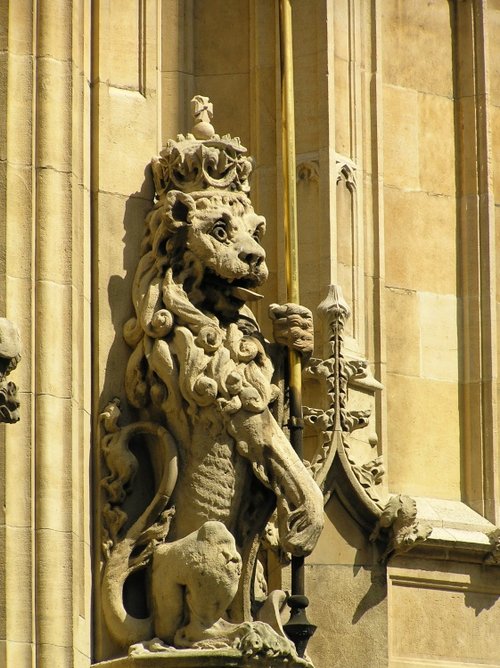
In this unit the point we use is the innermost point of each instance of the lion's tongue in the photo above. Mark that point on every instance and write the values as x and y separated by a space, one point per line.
245 294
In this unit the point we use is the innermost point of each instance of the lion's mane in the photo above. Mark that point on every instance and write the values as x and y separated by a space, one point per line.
168 275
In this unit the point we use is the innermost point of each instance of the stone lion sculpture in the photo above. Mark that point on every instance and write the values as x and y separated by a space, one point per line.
202 377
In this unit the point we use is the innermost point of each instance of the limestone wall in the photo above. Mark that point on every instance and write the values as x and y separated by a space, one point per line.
398 184
421 248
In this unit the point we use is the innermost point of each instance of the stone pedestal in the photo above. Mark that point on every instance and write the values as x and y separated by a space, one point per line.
227 658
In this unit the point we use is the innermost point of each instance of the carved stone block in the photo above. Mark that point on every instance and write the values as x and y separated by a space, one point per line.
10 354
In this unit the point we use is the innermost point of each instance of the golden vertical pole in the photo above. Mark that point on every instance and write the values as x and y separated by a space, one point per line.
298 627
288 152
291 242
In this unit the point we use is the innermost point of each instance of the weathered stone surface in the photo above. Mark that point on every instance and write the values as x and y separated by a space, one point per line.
410 93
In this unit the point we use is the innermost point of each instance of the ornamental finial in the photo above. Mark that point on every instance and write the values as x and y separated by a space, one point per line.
203 111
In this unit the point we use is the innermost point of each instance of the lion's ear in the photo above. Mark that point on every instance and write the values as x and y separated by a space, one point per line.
182 206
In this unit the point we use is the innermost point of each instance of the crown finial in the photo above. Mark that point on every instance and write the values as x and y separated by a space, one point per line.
203 111
202 159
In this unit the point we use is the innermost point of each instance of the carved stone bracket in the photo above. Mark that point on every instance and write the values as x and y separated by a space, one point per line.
308 171
346 170
399 527
493 557
10 354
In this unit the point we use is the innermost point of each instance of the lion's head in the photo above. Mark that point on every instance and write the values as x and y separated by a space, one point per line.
209 238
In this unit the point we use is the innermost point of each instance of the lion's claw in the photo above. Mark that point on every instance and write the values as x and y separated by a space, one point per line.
293 327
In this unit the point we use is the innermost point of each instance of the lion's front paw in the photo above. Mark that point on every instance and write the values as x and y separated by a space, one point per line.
293 327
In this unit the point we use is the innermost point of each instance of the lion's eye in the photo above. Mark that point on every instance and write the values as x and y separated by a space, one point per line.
219 231
257 235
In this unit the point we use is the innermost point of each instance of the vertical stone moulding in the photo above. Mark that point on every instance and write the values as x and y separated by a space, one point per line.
374 175
17 557
57 290
348 244
477 280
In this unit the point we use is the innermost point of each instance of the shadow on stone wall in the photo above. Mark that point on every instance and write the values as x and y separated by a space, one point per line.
119 287
348 592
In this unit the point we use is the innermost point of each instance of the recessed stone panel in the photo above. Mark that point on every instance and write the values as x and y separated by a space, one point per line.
438 329
493 16
400 143
417 45
230 96
495 150
420 241
130 116
448 617
423 437
349 637
436 144
403 330
221 35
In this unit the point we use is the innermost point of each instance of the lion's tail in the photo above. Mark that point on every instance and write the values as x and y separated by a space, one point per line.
152 524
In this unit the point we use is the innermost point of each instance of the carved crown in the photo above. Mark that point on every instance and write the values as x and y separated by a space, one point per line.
202 159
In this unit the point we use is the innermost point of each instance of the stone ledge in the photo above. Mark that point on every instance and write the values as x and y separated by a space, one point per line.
450 514
458 531
199 659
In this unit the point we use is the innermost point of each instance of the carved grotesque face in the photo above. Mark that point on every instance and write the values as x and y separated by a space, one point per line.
224 234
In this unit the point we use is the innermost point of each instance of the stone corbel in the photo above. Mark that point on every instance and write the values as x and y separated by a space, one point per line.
493 556
308 170
10 354
398 527
346 171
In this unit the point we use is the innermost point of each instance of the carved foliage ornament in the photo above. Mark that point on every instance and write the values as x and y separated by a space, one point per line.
493 556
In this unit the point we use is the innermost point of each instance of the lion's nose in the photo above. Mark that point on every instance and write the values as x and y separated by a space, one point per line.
253 257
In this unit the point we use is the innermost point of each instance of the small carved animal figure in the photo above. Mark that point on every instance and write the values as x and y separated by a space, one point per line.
202 375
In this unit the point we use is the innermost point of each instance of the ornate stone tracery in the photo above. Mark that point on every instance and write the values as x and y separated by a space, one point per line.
343 463
341 377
